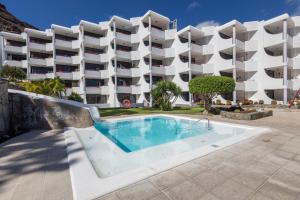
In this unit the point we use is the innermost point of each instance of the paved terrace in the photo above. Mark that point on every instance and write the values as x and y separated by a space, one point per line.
34 166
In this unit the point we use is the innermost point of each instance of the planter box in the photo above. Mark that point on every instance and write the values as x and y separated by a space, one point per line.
246 116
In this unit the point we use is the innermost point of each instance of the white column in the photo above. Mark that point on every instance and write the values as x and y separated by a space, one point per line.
2 52
54 53
285 67
150 60
115 63
82 63
190 62
234 61
28 57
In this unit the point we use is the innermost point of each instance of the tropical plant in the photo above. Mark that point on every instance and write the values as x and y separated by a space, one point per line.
50 87
13 74
165 94
211 86
75 97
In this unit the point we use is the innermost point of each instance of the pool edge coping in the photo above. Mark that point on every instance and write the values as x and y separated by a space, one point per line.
83 172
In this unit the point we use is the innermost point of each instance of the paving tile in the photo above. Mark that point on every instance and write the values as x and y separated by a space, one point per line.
209 180
284 154
293 166
185 191
258 196
167 179
251 179
287 178
297 158
140 191
112 196
290 148
232 190
191 169
274 159
160 197
263 168
209 196
278 192
228 170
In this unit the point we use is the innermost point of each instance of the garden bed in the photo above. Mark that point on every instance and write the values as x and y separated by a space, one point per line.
247 115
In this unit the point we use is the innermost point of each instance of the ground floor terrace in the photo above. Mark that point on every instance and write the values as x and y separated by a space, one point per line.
35 166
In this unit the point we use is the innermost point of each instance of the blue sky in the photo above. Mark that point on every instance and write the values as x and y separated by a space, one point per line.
42 13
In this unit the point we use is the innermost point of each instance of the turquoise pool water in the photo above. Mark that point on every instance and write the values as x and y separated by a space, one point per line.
136 134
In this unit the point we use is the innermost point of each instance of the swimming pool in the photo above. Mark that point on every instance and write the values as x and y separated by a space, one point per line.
117 152
136 134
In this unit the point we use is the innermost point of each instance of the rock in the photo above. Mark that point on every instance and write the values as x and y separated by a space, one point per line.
9 23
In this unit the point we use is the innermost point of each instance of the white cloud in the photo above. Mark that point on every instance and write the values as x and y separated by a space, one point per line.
208 23
193 5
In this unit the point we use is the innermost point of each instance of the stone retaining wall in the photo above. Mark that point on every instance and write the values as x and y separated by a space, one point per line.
246 116
30 111
4 108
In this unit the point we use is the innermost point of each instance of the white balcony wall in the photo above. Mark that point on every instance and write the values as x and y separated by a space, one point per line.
101 74
14 49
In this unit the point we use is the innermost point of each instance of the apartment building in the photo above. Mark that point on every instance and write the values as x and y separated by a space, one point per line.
119 59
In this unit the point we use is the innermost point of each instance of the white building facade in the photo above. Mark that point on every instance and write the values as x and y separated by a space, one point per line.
123 59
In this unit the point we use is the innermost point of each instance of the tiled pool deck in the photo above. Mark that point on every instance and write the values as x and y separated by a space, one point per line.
34 166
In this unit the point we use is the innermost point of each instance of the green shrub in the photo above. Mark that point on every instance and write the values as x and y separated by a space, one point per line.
165 94
211 86
273 102
228 102
261 102
75 97
13 74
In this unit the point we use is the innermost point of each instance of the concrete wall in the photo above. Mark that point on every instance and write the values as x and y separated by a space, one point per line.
4 108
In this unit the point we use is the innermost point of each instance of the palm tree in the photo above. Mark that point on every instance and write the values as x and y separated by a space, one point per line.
165 94
57 87
50 87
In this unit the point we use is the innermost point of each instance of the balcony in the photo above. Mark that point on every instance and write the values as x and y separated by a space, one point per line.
132 89
104 90
207 68
16 63
73 89
15 49
272 39
225 44
196 48
75 44
69 60
163 70
273 61
69 75
240 46
101 74
92 41
207 49
226 65
247 86
294 63
294 84
128 55
164 35
251 46
49 62
33 76
133 72
41 47
250 66
96 58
